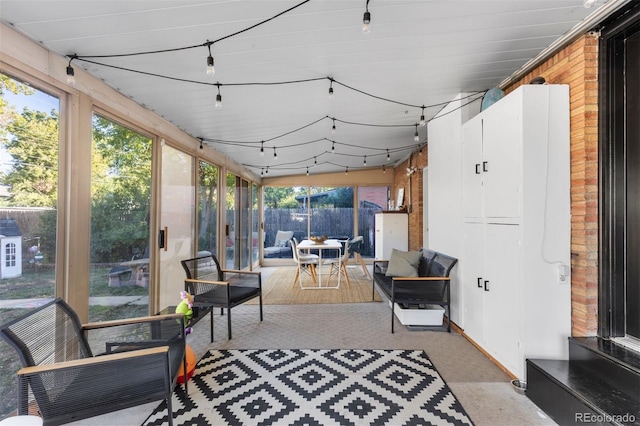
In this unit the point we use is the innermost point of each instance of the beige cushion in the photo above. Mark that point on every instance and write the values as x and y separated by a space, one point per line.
403 263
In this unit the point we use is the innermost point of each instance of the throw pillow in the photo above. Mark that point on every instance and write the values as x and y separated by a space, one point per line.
403 263
281 243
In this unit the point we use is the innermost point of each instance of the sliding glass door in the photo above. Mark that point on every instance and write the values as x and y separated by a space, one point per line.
176 233
120 221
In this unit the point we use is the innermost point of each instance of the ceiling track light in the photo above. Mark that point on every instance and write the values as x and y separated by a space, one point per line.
416 136
71 75
262 149
366 19
423 122
331 89
218 97
210 69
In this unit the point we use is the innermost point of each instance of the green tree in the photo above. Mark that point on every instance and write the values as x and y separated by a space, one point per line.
121 192
32 142
279 197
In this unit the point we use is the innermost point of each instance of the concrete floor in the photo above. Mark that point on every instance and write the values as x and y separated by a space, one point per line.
482 388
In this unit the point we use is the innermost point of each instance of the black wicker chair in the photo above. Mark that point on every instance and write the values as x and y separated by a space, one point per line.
138 363
211 285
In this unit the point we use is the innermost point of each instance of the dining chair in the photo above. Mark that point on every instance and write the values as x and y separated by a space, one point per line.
355 247
306 262
339 265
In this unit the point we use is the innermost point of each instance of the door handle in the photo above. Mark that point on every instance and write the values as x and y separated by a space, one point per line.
479 282
163 234
484 166
486 285
478 168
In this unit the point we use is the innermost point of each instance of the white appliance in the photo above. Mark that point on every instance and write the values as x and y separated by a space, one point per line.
392 231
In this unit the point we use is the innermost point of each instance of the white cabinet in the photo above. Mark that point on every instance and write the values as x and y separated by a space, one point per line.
392 231
516 226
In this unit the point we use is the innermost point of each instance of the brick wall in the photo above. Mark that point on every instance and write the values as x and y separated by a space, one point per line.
418 160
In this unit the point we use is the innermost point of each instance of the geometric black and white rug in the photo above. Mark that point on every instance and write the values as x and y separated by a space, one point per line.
314 387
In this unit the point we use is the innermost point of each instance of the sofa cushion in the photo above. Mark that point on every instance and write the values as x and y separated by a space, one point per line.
403 263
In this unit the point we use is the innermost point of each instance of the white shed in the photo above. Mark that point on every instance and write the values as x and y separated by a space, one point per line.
10 249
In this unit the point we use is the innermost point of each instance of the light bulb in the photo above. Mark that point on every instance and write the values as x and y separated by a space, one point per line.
275 154
384 169
346 171
388 156
365 160
366 20
210 69
218 100
416 137
307 171
423 122
333 148
330 92
333 128
71 75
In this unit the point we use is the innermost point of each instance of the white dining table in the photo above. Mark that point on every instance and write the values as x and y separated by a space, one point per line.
306 245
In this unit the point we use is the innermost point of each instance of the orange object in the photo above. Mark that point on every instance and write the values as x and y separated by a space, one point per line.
191 365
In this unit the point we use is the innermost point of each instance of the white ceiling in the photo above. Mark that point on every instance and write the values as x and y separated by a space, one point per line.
419 52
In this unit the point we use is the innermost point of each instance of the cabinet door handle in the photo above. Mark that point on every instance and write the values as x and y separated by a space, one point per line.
484 166
479 282
486 285
478 168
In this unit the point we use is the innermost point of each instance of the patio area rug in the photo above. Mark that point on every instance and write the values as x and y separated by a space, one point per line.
314 387
280 289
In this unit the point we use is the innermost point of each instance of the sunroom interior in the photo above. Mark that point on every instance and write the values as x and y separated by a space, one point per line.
124 152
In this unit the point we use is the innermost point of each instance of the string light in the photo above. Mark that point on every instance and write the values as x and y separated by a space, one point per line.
331 89
416 137
384 169
366 19
333 148
218 97
388 155
210 69
275 154
262 149
333 128
423 122
201 147
267 171
315 161
261 172
307 171
365 160
346 171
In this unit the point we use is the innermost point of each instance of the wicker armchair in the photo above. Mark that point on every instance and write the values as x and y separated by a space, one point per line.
213 286
140 361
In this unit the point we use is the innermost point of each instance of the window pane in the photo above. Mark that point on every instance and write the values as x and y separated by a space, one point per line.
283 211
208 208
230 234
370 200
121 194
29 145
332 212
